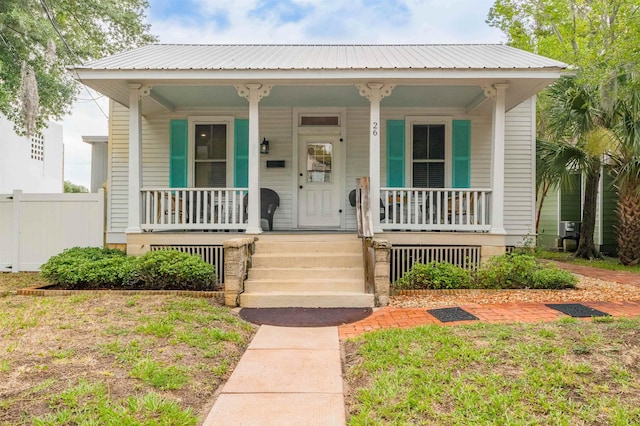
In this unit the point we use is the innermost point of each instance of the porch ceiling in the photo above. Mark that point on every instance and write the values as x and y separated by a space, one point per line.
198 95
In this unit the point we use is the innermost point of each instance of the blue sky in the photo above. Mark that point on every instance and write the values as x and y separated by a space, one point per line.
287 22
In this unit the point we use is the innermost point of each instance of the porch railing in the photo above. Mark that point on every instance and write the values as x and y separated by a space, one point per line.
442 209
193 208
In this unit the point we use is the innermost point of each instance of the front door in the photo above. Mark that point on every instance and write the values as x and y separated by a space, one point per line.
319 182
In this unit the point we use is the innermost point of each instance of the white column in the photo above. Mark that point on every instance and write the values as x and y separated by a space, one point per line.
375 92
254 92
497 159
135 158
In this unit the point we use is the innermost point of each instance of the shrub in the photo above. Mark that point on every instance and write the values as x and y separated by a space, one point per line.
88 267
507 271
435 275
552 277
173 270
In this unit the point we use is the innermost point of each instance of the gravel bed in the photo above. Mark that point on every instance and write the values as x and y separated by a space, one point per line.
588 290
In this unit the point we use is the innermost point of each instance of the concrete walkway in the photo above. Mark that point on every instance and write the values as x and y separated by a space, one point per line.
287 376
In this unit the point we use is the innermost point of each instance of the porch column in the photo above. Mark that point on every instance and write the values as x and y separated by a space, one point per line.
374 92
497 92
254 92
135 157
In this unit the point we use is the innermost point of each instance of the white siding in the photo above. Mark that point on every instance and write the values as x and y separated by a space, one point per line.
276 124
519 172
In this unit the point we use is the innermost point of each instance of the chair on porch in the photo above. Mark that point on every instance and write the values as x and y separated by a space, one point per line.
269 202
352 201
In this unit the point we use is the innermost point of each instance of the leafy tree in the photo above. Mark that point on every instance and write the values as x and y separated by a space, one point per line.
600 39
625 161
39 38
72 187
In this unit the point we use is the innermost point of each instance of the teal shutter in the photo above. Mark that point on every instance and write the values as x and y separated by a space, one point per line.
461 150
178 141
241 153
395 153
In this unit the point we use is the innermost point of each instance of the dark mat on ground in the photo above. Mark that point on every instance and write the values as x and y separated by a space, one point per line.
452 314
304 317
577 310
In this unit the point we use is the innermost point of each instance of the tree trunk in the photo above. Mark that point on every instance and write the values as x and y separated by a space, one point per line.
586 246
545 189
628 228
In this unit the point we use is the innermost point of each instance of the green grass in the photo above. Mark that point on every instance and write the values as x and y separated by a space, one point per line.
10 281
552 373
113 359
610 263
90 404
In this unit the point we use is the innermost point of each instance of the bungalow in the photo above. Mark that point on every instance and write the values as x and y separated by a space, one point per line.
445 134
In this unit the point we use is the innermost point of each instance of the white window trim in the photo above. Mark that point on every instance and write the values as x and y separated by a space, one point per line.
218 119
412 120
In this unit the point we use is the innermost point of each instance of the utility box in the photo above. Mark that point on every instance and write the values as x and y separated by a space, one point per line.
569 230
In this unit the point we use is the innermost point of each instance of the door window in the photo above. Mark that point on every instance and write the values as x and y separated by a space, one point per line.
319 162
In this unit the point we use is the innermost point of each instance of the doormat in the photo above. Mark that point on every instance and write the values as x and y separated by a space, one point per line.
577 310
304 317
452 314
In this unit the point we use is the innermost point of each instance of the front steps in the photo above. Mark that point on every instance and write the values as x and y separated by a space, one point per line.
306 270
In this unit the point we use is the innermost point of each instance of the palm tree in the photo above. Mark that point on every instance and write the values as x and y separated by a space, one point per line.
580 128
626 171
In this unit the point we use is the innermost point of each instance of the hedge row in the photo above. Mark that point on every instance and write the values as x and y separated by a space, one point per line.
93 268
509 271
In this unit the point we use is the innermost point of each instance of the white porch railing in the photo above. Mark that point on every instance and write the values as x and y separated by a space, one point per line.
442 209
193 208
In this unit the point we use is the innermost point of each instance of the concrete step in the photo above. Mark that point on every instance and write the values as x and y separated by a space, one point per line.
326 273
309 237
306 260
350 246
337 285
306 300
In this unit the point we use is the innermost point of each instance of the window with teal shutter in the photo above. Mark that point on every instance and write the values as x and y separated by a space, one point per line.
178 142
241 153
395 153
461 152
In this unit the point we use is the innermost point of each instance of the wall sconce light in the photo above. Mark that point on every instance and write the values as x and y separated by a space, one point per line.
264 146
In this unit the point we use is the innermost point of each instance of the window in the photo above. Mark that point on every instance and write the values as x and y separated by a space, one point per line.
211 156
428 156
37 147
320 120
210 152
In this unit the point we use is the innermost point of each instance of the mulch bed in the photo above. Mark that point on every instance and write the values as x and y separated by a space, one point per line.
55 290
304 317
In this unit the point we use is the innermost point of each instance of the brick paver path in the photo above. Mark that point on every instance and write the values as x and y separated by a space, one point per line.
499 313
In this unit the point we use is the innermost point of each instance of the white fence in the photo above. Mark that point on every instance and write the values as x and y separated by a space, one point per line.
34 227
193 208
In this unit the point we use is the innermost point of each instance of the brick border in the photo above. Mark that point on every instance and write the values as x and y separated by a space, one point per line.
45 291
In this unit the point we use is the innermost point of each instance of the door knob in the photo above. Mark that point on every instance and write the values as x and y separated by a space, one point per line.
301 175
300 186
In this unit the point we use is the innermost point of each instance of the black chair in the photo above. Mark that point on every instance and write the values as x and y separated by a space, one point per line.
352 201
269 202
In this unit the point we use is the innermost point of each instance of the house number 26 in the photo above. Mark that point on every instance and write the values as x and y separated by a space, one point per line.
374 128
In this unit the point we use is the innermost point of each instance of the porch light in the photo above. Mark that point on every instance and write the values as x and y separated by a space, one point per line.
264 146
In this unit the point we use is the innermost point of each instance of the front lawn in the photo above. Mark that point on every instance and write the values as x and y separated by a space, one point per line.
112 359
567 372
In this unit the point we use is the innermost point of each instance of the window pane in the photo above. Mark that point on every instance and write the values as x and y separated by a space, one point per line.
211 175
331 120
420 133
211 141
319 161
436 142
428 175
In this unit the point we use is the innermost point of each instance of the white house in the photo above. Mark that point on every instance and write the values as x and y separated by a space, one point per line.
446 134
32 164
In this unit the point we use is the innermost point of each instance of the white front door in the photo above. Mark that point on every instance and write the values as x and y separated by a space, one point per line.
319 181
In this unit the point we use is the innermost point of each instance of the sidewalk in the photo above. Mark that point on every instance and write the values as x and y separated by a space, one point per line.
287 376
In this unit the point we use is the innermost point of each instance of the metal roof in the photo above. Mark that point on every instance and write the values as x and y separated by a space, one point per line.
324 57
